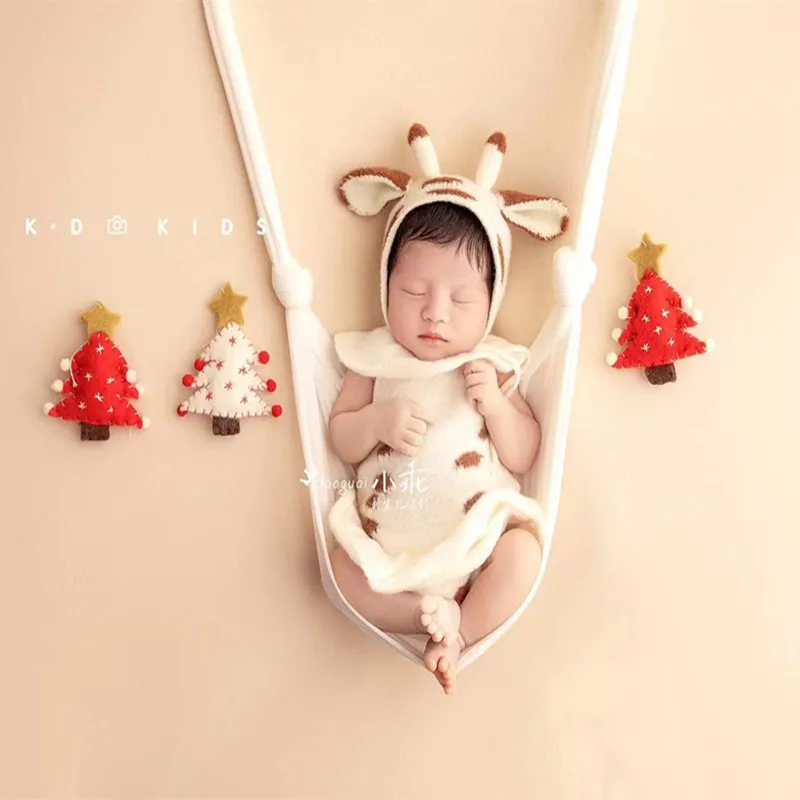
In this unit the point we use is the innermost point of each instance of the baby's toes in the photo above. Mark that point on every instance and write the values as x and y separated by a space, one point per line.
428 604
431 659
447 675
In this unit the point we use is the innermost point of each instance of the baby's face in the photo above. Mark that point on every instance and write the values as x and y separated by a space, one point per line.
438 302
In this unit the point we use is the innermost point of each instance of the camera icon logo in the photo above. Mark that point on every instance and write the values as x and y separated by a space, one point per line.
117 226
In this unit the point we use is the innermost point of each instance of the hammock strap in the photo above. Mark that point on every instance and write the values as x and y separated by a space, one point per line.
619 34
574 271
292 283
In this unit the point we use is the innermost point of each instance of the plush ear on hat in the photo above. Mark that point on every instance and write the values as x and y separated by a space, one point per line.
541 217
367 190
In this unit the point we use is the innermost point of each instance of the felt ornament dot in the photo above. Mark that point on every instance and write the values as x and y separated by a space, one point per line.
616 333
710 345
140 389
130 376
276 411
623 312
182 412
64 364
611 359
199 364
47 407
57 385
687 303
271 385
263 357
188 380
145 422
697 315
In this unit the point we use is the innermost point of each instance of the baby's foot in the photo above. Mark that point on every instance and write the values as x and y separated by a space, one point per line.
441 660
440 618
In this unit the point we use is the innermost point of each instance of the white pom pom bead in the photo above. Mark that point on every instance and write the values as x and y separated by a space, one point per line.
623 312
145 422
697 315
611 359
47 407
140 389
616 333
57 385
65 364
710 345
130 376
687 303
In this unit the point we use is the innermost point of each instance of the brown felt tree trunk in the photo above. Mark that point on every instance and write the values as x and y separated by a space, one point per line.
225 426
660 375
94 433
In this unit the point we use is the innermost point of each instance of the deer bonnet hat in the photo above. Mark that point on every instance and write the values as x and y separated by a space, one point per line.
367 190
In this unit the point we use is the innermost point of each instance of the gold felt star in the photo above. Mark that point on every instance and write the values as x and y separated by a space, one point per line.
646 256
227 305
99 318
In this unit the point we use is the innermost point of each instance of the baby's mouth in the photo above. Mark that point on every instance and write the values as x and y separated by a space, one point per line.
430 336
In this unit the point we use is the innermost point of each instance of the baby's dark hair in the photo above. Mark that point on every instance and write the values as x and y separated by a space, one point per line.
446 223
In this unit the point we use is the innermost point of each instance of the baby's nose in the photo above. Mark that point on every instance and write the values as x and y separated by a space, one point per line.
436 310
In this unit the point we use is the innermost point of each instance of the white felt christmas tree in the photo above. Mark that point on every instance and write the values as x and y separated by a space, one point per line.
226 384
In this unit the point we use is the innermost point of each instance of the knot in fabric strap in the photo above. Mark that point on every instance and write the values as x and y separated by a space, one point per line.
573 276
293 284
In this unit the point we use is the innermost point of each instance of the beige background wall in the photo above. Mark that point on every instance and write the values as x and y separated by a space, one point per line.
162 624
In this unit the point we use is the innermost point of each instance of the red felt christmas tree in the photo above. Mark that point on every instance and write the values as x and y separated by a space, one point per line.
226 384
100 385
655 335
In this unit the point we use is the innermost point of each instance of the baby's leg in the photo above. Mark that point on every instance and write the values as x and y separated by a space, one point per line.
496 594
505 580
405 612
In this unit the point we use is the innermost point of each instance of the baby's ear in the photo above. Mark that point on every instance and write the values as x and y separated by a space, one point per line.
367 190
541 217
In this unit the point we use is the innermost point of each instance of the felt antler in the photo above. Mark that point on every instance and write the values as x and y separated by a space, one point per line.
424 151
491 161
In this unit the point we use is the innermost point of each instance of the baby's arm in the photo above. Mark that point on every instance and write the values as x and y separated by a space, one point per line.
514 431
350 425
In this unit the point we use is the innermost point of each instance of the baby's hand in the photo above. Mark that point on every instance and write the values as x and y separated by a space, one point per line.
480 378
401 424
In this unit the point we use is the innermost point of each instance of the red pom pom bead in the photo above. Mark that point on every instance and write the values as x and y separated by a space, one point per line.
276 411
199 364
271 385
188 380
182 412
263 356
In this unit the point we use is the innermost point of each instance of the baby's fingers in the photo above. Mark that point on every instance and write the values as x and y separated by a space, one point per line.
417 425
475 379
421 412
475 393
414 439
479 365
406 449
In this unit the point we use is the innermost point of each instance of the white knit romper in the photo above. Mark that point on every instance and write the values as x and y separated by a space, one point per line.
426 523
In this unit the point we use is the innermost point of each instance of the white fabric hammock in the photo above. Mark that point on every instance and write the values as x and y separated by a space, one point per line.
317 374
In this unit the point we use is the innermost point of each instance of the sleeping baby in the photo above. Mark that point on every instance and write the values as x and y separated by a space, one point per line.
436 537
